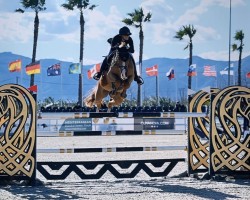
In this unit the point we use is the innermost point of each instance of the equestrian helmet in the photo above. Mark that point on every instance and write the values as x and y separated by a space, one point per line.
124 31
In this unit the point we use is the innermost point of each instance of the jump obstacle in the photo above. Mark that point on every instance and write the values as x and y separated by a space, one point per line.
223 152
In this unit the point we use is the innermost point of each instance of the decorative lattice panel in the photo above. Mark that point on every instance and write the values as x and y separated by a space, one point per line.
229 151
17 132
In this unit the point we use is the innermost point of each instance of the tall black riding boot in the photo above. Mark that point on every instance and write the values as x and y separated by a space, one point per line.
97 75
137 78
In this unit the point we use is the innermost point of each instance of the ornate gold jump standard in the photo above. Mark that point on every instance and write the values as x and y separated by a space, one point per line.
229 149
17 133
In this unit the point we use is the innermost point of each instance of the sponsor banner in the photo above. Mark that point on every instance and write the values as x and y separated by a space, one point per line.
51 125
112 124
154 123
107 124
77 125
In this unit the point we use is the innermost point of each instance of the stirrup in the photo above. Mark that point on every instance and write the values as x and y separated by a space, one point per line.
139 80
97 76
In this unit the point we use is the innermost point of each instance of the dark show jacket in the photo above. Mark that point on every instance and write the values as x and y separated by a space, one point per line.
117 40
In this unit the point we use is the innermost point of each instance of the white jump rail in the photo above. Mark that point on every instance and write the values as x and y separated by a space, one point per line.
113 149
109 133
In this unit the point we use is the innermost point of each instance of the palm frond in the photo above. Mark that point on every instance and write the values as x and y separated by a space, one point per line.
40 8
92 7
239 35
137 18
131 15
19 10
148 17
42 2
27 4
36 5
83 4
67 6
234 47
180 34
186 47
127 21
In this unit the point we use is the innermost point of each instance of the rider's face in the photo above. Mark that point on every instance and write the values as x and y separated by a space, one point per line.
125 37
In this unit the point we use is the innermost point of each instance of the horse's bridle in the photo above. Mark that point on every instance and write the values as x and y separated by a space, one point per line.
124 56
124 70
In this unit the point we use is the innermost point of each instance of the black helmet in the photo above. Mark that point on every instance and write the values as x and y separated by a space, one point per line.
124 31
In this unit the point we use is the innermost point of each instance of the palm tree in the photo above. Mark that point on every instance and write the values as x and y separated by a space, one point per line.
136 19
190 32
239 36
81 5
37 6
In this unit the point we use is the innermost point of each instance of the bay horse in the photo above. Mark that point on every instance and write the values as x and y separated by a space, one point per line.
113 82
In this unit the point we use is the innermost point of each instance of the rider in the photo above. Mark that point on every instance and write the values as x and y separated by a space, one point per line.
123 39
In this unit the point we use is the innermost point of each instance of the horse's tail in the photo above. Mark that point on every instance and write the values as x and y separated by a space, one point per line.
90 99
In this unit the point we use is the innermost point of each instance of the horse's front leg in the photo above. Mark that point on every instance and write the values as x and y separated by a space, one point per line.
124 94
113 91
126 85
111 103
98 106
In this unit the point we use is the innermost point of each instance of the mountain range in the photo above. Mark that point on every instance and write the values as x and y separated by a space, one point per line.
66 86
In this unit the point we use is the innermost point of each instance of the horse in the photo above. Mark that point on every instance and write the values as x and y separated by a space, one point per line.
113 82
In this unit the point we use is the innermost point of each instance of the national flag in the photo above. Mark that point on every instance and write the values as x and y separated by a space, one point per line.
54 70
170 74
75 68
225 71
152 71
93 70
33 68
15 66
209 71
33 88
192 70
248 75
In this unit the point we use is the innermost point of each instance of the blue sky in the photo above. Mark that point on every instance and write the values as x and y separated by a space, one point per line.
59 29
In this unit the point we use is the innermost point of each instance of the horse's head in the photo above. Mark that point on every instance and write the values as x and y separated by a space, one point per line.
120 58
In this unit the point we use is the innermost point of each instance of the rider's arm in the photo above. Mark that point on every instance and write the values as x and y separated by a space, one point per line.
131 45
115 42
